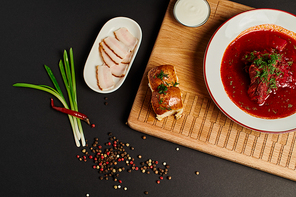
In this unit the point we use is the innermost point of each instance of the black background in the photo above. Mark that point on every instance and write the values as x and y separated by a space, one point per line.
38 153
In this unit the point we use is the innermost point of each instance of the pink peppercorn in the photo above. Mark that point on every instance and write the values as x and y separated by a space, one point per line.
158 181
90 157
161 178
119 181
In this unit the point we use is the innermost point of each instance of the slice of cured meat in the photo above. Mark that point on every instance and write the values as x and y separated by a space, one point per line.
123 35
112 56
128 58
104 77
119 70
116 53
118 48
106 59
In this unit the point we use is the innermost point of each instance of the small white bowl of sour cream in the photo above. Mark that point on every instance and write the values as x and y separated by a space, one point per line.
192 13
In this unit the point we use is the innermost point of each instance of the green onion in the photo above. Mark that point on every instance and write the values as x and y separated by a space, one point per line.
68 74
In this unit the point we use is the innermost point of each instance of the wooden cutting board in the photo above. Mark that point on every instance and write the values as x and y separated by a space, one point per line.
203 126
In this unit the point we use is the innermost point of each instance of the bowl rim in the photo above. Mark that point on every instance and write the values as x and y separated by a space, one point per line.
205 76
197 25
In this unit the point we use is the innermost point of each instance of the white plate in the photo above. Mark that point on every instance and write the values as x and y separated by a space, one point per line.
94 58
225 34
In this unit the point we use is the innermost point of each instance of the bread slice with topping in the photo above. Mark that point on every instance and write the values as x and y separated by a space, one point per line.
166 97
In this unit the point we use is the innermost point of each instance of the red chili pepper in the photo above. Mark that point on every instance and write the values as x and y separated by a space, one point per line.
71 112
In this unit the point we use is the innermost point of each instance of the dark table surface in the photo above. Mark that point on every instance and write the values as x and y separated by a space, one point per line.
38 153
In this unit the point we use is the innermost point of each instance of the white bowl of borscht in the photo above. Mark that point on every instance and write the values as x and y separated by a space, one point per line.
250 70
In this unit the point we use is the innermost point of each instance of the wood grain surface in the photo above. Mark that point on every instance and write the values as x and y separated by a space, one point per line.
203 126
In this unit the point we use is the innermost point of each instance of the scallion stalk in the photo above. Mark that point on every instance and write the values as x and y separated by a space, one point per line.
68 75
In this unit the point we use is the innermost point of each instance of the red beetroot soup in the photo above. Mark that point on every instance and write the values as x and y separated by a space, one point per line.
271 43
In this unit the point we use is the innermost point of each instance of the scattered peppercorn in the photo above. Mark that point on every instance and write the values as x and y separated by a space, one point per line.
144 137
197 173
109 161
146 193
169 177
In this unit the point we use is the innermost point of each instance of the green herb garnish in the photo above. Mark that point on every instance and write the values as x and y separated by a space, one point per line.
162 89
161 75
175 84
165 108
267 65
160 101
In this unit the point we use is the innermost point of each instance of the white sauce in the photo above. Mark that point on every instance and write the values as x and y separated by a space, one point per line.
192 13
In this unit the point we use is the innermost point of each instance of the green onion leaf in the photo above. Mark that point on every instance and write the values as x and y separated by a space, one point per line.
68 75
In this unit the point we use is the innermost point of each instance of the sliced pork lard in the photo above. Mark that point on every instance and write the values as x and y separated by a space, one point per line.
128 58
123 35
104 77
106 59
108 52
118 48
119 70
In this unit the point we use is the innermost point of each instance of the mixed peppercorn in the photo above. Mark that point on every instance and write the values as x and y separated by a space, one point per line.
114 159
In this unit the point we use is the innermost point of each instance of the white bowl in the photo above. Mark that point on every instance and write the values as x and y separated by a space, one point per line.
192 13
225 34
94 58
